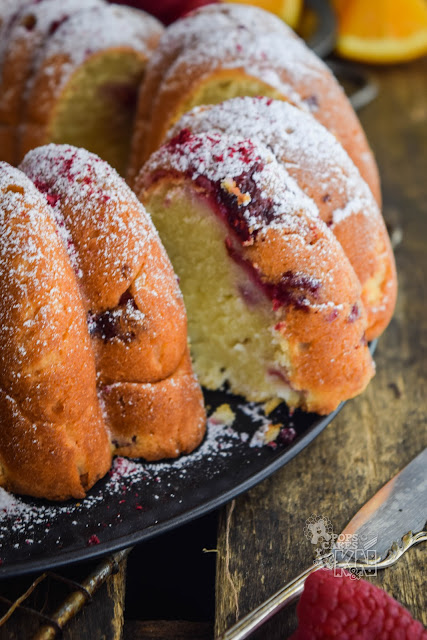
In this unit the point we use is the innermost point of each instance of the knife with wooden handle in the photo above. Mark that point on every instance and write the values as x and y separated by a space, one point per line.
392 521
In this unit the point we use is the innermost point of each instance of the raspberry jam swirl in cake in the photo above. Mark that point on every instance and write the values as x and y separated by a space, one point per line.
324 171
274 305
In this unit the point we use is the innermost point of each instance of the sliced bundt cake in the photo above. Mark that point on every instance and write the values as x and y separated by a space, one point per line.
94 346
273 302
222 51
324 171
70 72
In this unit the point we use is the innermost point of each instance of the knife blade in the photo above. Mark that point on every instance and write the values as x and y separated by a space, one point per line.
398 508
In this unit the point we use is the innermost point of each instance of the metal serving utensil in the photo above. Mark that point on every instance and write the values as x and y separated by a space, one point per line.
393 520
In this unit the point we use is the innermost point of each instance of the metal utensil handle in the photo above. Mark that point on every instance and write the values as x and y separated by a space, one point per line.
270 607
293 589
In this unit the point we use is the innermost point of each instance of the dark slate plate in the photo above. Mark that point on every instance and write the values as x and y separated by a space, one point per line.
139 500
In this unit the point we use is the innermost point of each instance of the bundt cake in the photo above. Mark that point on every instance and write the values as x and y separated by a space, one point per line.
69 72
93 343
8 9
222 51
274 305
324 171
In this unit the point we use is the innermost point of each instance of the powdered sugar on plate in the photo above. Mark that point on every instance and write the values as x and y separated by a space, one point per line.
28 522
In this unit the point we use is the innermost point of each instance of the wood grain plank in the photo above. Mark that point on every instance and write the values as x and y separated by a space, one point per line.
102 618
167 630
261 538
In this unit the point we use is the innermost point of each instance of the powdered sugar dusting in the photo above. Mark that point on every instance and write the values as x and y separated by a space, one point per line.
98 29
227 16
32 22
297 140
222 159
22 209
95 210
270 58
188 31
32 522
256 413
8 10
49 14
239 37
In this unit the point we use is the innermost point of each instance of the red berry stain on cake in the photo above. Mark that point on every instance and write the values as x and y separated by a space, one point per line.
239 203
56 24
244 200
184 136
45 188
354 313
292 289
312 102
249 189
115 323
250 294
333 315
280 375
123 93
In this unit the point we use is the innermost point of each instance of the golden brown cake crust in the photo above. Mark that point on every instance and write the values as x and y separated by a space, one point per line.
324 171
160 420
49 407
328 350
272 230
124 273
231 43
63 340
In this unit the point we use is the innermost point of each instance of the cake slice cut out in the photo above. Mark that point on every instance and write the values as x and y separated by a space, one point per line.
324 171
274 305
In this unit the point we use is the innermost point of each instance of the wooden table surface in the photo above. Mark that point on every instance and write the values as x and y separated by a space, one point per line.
261 538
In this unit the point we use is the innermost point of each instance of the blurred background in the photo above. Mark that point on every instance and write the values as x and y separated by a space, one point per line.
380 32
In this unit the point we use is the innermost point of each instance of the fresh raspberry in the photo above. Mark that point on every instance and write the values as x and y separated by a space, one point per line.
344 608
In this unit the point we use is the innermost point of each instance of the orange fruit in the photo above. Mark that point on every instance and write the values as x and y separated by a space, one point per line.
288 10
383 31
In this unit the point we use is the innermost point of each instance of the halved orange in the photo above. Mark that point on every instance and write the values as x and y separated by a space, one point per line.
288 10
383 31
